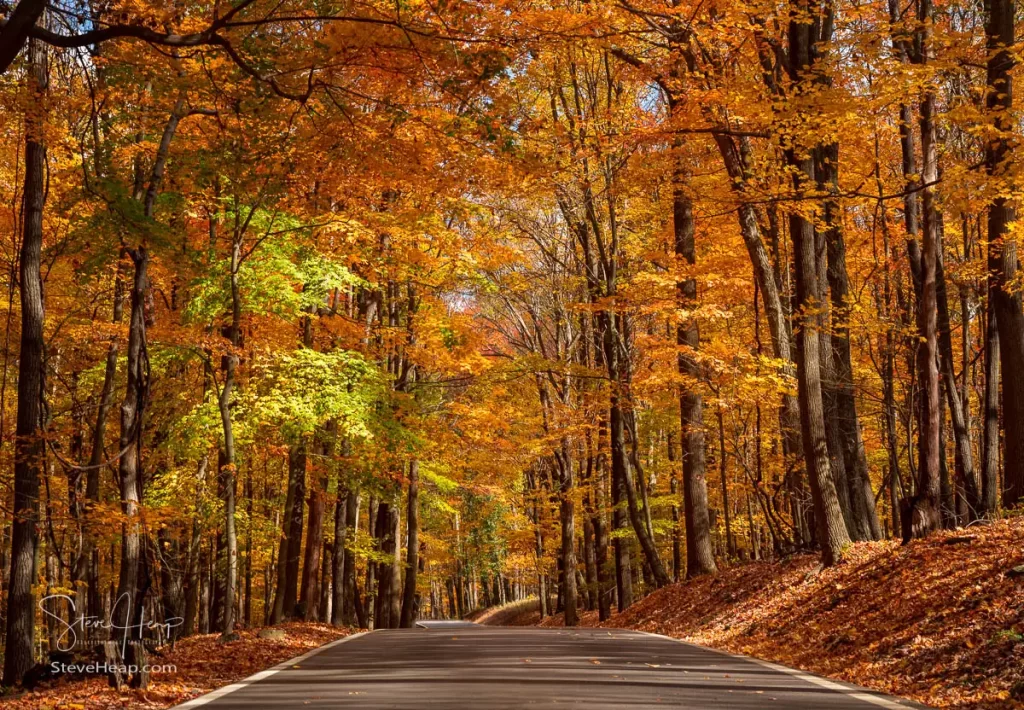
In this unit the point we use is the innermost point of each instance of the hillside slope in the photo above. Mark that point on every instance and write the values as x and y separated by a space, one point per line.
940 621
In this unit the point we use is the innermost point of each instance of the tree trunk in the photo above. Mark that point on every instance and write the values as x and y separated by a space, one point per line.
323 612
193 586
395 592
340 561
963 455
620 459
387 611
623 573
730 543
923 512
1003 249
128 601
590 564
567 518
380 524
280 582
354 609
832 534
229 364
906 51
171 581
678 572
990 442
700 558
247 609
538 550
371 566
294 517
29 446
862 500
891 440
205 571
314 544
412 550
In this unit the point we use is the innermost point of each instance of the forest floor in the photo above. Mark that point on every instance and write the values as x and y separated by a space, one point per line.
202 664
939 621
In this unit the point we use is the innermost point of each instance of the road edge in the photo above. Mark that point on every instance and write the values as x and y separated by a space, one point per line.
860 693
261 675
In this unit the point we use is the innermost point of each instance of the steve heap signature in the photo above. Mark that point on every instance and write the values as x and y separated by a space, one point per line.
122 610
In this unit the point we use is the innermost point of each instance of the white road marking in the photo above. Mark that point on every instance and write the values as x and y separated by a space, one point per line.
256 677
800 675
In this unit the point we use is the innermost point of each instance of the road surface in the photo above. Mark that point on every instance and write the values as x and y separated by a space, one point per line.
458 665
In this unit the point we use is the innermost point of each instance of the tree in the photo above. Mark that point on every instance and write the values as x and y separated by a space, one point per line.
1007 311
30 450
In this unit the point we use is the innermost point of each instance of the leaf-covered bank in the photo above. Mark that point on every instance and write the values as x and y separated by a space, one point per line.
201 664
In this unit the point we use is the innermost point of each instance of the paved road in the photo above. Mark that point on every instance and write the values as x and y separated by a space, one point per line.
465 666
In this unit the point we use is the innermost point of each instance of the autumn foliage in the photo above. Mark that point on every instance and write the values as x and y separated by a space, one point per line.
362 312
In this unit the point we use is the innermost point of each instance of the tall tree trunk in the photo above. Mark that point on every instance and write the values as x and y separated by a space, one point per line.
538 550
371 566
862 500
229 364
193 585
730 543
832 534
963 455
340 561
324 582
1003 249
294 523
247 609
623 572
891 441
620 459
567 518
314 544
387 612
605 587
205 591
354 609
128 601
395 592
280 581
29 447
380 524
673 489
700 558
594 576
923 514
217 561
412 551
590 564
171 581
990 441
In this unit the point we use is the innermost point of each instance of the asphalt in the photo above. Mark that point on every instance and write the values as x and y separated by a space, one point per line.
456 665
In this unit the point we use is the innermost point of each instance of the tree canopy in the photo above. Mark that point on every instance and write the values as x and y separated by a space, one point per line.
365 311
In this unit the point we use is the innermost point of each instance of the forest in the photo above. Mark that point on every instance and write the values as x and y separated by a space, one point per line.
360 312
